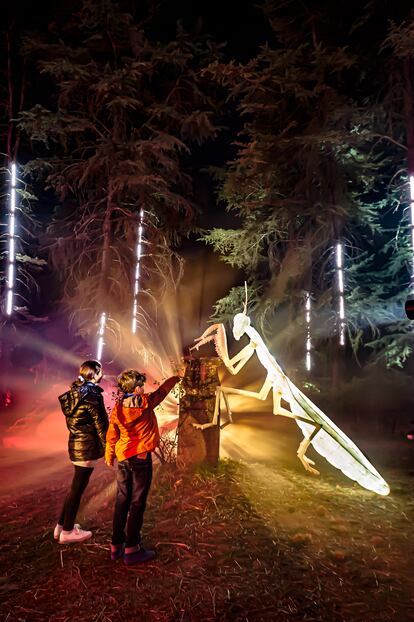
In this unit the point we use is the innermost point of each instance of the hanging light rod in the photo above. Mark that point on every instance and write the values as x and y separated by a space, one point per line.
308 342
137 271
101 333
412 228
341 299
11 258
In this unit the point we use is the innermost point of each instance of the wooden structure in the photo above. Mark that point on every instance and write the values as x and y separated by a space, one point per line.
197 406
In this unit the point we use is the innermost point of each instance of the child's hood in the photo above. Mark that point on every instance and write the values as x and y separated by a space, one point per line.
70 400
131 409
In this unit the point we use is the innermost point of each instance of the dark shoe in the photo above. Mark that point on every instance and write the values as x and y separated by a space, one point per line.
138 557
117 552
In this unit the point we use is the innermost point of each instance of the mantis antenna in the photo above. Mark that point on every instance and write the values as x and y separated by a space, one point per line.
245 300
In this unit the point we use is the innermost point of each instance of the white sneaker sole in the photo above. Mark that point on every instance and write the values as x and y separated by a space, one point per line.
56 534
72 541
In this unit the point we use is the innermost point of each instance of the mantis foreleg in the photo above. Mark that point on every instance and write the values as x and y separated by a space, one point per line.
240 358
225 391
205 337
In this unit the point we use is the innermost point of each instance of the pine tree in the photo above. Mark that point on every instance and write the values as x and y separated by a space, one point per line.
12 90
311 169
20 266
380 277
112 138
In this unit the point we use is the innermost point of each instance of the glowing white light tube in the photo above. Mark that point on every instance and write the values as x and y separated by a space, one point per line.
308 342
341 301
101 333
11 242
137 271
412 227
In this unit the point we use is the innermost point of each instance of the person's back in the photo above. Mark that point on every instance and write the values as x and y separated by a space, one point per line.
133 425
87 422
132 435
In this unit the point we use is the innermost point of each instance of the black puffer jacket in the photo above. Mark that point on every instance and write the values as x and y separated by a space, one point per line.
86 420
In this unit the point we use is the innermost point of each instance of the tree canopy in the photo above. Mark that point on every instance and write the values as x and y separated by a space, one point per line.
111 139
320 160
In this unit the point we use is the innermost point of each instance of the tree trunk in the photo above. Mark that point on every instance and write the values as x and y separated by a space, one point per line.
7 386
336 359
409 112
336 351
409 121
197 406
106 250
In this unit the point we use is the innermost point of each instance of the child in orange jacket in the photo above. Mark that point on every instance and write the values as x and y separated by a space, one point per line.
132 435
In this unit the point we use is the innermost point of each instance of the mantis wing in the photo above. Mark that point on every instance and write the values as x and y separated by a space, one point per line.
331 443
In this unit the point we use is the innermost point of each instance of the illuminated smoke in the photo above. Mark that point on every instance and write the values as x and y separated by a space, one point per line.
341 301
137 272
11 246
308 342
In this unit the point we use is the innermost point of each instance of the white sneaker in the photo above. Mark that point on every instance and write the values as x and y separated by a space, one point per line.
76 535
58 530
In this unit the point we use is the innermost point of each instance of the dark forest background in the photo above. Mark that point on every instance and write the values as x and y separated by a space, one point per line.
255 137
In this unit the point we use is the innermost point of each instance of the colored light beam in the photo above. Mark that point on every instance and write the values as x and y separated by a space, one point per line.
137 271
341 299
308 342
11 260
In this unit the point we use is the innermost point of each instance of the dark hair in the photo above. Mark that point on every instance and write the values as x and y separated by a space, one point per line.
130 379
87 371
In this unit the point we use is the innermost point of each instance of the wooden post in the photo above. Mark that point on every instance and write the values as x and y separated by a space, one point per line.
197 406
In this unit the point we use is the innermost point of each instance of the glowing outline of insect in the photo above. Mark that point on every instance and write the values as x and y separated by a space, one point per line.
318 430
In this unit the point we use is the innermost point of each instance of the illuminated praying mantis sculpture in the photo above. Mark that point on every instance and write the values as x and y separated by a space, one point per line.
318 430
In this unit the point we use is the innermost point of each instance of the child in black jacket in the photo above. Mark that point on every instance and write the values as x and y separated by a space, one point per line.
87 422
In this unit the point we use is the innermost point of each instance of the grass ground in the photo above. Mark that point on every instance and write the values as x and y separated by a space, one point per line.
248 542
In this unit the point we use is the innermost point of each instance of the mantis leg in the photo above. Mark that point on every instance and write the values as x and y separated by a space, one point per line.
303 446
205 337
225 391
240 359
229 413
214 421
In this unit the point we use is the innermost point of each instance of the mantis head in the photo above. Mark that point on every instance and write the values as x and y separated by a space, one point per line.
240 322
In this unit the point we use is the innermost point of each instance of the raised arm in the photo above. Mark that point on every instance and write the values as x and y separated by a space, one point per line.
161 393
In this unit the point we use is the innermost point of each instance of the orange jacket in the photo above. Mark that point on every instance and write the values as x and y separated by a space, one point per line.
133 426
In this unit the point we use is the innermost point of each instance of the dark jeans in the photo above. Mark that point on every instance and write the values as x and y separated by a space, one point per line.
73 498
133 483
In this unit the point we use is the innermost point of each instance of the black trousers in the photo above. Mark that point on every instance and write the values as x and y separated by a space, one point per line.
73 498
134 478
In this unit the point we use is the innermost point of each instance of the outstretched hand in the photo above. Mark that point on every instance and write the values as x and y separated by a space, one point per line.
181 372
